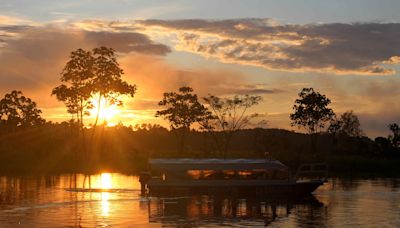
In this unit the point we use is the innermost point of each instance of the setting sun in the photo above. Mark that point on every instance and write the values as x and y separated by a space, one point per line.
106 181
107 112
199 113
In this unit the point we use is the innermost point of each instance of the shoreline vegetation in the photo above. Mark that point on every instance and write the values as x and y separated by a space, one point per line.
53 149
208 127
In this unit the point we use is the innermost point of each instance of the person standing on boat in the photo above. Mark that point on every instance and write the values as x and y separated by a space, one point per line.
143 179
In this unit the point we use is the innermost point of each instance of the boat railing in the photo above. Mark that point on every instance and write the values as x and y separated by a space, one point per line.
312 171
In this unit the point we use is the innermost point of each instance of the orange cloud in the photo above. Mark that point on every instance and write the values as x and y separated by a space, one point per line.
154 77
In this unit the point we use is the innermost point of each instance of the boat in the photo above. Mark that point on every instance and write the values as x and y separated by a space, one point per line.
231 176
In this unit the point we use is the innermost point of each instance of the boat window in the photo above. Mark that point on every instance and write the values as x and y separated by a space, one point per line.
252 174
257 174
202 174
244 174
208 174
194 174
229 174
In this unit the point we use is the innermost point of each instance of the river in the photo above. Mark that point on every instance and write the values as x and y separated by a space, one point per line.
113 200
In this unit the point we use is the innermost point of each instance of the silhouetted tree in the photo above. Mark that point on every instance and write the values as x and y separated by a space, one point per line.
107 83
149 127
385 146
182 110
395 137
229 115
16 110
350 125
335 126
346 125
91 74
76 93
312 113
334 131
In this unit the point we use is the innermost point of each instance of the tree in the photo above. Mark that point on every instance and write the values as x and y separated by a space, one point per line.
350 125
77 74
312 113
107 83
335 126
16 110
182 109
91 74
229 115
346 125
395 137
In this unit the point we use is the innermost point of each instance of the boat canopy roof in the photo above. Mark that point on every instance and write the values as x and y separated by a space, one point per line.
180 164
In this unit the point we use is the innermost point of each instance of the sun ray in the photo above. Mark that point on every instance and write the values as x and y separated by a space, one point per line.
108 112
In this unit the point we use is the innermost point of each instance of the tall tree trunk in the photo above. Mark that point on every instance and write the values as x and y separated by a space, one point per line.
81 127
77 151
93 155
182 141
81 114
97 116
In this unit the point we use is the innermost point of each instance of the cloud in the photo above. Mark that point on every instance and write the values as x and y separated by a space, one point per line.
8 20
35 55
126 42
360 48
155 76
32 57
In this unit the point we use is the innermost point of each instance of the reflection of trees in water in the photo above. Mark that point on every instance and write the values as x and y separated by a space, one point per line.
217 210
312 214
14 189
392 183
41 190
346 184
349 184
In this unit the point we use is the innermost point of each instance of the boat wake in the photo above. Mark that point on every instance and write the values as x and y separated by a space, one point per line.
63 204
167 200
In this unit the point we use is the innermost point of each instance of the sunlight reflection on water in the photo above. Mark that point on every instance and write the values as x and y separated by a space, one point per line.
112 199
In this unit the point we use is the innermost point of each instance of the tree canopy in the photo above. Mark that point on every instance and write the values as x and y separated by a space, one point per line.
75 90
107 82
229 115
16 110
350 125
347 124
182 109
90 74
395 137
311 111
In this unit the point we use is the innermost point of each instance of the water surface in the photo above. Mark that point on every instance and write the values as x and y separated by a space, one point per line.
113 200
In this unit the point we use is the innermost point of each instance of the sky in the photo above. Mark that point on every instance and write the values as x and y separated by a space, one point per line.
347 50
